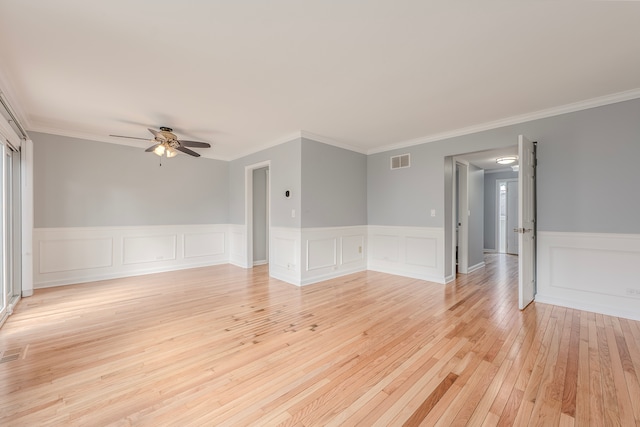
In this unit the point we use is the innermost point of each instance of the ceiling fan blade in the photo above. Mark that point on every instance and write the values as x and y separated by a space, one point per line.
130 137
156 134
187 151
153 147
194 144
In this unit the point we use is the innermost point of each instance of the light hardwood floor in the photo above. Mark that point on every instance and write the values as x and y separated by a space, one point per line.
226 346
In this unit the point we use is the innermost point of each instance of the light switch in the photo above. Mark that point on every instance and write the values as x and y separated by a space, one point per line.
293 213
433 212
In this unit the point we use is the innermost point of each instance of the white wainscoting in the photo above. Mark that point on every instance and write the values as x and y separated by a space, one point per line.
589 271
238 245
74 255
330 252
407 251
284 254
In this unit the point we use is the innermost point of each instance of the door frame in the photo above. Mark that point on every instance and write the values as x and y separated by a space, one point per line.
450 204
460 198
248 209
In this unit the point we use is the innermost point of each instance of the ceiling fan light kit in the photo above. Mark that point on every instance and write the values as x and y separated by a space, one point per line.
168 144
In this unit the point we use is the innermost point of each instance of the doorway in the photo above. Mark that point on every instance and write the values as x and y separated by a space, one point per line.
461 212
257 213
261 216
524 231
507 216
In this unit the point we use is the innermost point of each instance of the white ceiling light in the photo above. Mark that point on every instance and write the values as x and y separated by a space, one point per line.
507 160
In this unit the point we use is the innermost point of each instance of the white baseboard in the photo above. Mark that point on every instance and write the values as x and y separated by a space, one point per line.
585 306
416 252
310 255
475 267
64 256
590 271
331 252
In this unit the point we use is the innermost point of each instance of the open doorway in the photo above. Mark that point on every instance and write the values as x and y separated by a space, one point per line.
261 216
521 231
507 216
257 213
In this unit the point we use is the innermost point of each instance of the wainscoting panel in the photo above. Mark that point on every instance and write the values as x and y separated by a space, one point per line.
137 250
589 271
238 245
204 244
74 255
422 251
322 253
284 254
330 252
353 249
408 251
386 247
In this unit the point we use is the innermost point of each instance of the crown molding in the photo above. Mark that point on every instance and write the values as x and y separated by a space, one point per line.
296 135
278 141
9 95
329 141
131 143
536 115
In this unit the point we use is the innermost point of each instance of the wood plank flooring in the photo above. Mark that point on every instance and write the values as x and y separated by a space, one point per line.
222 346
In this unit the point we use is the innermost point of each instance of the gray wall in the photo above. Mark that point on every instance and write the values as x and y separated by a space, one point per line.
490 214
260 214
81 183
284 175
334 186
587 172
476 220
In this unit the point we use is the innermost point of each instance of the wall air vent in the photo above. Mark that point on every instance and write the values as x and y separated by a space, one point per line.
401 161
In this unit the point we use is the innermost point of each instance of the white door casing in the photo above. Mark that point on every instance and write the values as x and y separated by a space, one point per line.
526 222
463 215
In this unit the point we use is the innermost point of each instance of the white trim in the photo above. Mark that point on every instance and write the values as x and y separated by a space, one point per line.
283 140
536 115
416 252
75 255
590 271
329 141
236 236
462 202
26 171
248 206
330 252
587 306
473 268
284 254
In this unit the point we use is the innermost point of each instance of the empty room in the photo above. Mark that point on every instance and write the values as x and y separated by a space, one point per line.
319 213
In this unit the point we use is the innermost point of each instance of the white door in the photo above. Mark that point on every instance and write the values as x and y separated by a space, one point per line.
512 217
526 222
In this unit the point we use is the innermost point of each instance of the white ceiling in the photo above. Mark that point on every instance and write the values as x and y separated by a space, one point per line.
487 159
367 74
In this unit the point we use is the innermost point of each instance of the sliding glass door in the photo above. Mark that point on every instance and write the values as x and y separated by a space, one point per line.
10 250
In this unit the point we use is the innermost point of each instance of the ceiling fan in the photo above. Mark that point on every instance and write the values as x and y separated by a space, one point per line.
167 143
